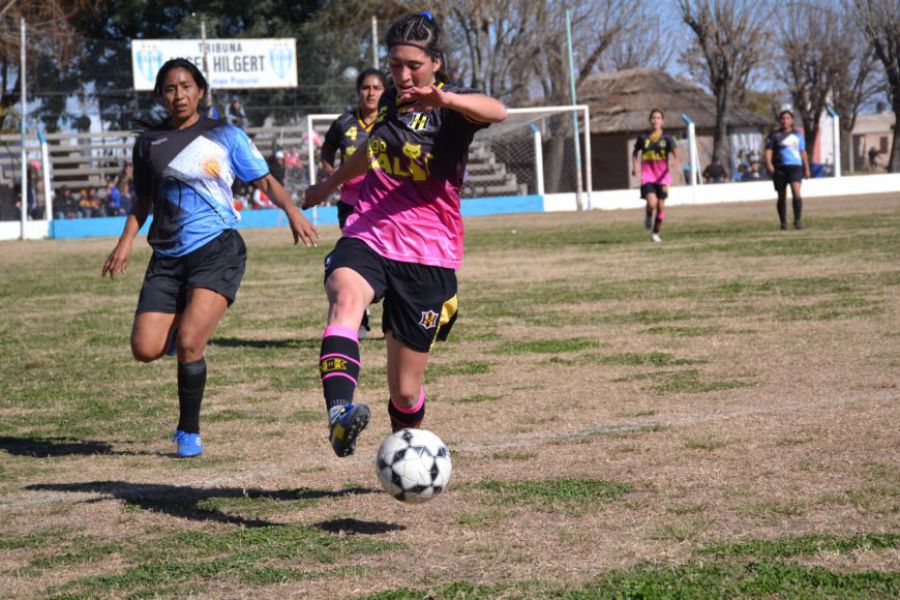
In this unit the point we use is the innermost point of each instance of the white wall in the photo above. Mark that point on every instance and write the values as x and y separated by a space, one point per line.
731 192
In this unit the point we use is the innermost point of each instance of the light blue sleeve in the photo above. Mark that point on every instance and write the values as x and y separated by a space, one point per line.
246 161
802 137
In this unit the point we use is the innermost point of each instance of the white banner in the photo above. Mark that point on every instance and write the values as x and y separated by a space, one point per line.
233 64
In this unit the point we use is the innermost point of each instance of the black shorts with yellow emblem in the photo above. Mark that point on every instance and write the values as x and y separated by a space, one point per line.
419 300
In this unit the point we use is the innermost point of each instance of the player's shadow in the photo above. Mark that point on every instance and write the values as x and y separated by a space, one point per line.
184 502
355 526
292 343
46 447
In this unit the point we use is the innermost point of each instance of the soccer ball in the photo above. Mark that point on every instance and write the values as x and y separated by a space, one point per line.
413 465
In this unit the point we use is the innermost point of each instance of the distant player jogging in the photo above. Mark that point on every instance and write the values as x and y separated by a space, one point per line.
652 150
348 133
404 241
183 171
788 163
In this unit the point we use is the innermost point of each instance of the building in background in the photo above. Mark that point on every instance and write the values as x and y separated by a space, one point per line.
620 104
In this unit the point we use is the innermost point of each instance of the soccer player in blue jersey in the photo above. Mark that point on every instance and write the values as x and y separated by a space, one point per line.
788 163
183 172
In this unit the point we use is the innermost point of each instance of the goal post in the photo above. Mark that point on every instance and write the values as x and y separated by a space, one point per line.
532 152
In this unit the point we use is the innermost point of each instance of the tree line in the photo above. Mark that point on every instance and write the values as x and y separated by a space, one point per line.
837 53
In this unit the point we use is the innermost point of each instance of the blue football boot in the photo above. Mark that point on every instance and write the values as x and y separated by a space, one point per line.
189 444
345 425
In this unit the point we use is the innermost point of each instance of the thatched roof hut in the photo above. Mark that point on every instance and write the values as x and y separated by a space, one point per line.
620 102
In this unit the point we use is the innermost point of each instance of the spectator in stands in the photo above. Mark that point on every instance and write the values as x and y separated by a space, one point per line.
261 200
35 202
754 173
293 167
90 205
277 166
66 205
715 172
114 199
235 114
125 182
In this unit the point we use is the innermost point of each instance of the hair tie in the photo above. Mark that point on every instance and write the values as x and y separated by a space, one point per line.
427 15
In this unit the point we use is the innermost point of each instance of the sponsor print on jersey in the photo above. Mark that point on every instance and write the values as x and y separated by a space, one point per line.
411 164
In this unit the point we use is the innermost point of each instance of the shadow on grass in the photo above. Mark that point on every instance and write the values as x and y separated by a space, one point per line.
309 343
185 501
355 526
46 447
231 342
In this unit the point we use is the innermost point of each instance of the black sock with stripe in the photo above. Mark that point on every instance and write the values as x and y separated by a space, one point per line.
339 364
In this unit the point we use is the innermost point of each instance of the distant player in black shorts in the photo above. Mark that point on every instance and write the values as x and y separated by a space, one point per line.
404 240
348 133
788 163
652 151
183 172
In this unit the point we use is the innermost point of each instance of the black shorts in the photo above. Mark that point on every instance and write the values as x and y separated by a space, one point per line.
419 300
661 191
786 174
344 211
217 266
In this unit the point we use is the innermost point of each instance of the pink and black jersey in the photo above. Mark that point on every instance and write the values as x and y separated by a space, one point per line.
409 207
347 133
654 152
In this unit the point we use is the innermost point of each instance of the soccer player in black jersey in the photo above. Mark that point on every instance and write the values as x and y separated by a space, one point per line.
183 171
652 151
347 133
351 131
404 240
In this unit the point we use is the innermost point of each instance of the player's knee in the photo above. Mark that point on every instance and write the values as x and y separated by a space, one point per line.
347 304
144 352
407 398
191 345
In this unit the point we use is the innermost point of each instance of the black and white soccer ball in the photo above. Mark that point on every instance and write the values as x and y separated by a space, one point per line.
413 465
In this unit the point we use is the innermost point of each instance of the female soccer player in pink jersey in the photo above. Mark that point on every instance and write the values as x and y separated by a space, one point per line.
653 148
404 240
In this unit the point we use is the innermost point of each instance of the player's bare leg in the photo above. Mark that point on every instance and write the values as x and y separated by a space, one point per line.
406 374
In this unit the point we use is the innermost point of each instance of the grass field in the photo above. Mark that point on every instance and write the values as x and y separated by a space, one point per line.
716 416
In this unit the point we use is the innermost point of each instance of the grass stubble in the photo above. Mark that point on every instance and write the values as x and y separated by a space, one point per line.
708 417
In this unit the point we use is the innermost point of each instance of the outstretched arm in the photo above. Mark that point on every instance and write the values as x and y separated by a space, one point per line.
476 107
300 226
354 166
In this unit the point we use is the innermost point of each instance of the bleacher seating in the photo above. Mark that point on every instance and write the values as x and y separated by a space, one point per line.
86 160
